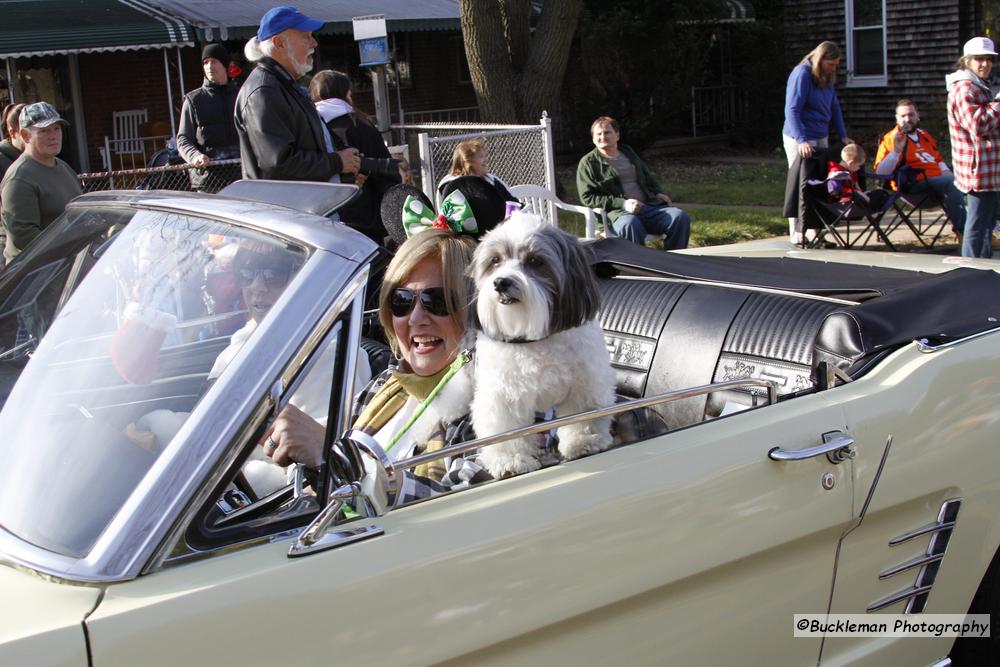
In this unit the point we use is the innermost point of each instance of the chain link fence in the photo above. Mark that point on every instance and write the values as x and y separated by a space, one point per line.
519 154
212 178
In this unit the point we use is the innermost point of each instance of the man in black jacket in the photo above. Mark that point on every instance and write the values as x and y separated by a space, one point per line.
281 134
207 130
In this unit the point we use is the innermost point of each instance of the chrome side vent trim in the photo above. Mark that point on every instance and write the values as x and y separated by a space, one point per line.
929 563
899 596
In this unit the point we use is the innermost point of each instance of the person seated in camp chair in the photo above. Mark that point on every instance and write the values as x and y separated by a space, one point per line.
842 182
910 156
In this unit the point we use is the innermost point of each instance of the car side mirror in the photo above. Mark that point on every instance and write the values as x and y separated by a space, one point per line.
368 496
380 480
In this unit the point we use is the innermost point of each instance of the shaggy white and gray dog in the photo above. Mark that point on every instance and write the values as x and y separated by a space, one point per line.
538 344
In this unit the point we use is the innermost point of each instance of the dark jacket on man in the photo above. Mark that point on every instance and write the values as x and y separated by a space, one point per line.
281 134
599 186
207 126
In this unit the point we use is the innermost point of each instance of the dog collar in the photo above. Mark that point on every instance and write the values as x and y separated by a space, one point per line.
515 341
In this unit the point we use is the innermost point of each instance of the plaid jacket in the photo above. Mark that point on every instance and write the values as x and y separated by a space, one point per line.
456 472
974 124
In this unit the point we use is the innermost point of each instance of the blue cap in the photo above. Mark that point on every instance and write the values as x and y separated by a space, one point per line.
284 18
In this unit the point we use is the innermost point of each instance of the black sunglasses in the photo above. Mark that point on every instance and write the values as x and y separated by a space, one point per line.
273 277
432 300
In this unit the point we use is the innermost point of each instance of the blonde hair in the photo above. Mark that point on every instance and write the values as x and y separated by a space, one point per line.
454 254
465 152
853 153
824 51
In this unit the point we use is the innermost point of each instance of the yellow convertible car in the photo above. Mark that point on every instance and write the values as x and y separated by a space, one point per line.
827 440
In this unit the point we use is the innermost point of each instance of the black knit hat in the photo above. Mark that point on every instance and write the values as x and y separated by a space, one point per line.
217 51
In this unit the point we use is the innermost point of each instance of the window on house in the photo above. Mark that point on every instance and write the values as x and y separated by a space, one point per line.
866 42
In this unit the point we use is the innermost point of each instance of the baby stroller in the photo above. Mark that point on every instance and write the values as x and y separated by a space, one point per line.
165 180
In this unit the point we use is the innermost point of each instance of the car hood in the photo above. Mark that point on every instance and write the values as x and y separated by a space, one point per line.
40 617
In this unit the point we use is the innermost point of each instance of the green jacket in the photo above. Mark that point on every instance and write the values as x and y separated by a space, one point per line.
598 184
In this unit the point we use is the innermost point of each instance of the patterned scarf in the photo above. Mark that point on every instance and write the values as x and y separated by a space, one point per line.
390 399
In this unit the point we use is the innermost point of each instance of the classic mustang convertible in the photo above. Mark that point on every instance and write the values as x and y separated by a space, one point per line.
827 442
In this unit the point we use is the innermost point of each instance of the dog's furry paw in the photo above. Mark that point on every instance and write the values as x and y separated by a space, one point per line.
501 462
583 443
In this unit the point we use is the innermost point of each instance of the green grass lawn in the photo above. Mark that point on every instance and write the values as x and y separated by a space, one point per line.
728 201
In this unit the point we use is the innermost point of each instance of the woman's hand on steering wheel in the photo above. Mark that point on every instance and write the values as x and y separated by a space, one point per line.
295 437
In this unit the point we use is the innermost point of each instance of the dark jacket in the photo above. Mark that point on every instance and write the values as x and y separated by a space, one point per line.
8 154
364 212
207 126
487 196
598 184
800 195
281 134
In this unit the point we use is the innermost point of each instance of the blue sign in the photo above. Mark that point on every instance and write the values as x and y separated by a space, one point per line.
374 51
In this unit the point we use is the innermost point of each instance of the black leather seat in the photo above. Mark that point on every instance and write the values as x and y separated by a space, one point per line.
665 335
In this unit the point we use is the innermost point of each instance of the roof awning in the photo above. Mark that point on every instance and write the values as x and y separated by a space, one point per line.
47 27
238 19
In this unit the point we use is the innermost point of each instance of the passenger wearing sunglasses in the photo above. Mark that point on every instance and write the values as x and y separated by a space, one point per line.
417 406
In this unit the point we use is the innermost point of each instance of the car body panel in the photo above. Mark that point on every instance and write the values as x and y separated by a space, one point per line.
944 411
586 558
41 621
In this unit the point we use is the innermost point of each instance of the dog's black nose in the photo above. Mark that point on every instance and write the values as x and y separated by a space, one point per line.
502 284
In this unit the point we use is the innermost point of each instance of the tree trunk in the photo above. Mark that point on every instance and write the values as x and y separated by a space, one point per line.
517 75
546 67
487 51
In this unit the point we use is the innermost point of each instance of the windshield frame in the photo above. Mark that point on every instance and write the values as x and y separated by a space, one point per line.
140 526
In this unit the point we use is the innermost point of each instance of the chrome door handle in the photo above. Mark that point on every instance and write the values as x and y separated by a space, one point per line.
838 449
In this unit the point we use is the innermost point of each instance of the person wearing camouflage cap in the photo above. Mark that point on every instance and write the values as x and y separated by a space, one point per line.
37 187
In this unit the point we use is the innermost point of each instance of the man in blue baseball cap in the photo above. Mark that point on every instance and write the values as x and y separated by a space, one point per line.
281 134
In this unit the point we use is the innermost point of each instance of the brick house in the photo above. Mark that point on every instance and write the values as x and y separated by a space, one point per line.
97 57
892 49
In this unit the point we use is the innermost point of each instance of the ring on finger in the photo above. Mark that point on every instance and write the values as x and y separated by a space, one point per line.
271 444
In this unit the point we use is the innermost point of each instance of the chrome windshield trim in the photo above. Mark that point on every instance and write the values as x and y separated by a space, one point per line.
313 230
618 408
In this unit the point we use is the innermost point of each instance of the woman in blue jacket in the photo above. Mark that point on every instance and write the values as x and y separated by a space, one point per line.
811 104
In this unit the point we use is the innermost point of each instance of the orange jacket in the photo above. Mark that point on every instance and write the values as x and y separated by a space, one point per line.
920 154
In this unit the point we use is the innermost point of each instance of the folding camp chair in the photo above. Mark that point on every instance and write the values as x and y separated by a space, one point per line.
834 221
910 207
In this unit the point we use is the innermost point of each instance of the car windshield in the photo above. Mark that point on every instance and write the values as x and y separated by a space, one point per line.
158 317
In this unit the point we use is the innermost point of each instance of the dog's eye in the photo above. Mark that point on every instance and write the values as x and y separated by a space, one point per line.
533 260
494 260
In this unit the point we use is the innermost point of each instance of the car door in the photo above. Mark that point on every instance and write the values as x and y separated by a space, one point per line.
926 432
693 547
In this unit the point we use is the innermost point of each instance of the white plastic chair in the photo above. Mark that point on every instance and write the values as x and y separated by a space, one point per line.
540 201
125 130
